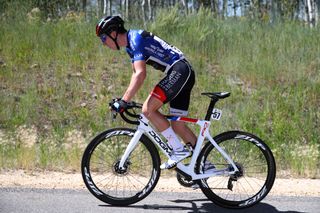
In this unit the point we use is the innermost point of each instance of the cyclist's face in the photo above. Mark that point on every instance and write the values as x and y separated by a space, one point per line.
106 40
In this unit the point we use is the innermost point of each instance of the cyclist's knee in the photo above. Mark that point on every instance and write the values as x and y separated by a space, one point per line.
150 106
146 110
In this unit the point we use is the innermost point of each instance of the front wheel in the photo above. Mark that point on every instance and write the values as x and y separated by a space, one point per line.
256 165
103 177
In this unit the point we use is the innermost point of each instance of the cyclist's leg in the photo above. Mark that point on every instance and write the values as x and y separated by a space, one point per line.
150 110
179 106
179 79
184 132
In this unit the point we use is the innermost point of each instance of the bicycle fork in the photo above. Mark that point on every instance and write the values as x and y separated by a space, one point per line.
135 140
133 143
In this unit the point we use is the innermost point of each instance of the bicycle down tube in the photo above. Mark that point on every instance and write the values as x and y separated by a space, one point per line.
144 127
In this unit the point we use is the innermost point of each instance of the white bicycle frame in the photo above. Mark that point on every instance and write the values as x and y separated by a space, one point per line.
145 128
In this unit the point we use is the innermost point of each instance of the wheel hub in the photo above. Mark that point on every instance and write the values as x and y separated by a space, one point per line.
120 171
237 174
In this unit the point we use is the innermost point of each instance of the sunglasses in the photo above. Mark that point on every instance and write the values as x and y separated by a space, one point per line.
103 38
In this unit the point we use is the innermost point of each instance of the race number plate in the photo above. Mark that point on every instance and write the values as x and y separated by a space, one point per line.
216 114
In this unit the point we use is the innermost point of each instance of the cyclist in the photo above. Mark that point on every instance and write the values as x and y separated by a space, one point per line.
144 48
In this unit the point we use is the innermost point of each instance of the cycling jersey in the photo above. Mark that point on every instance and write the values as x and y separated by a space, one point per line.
143 45
176 86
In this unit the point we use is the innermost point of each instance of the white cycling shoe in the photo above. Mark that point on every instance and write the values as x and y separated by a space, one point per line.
176 157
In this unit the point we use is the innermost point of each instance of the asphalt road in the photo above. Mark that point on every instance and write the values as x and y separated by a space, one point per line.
19 200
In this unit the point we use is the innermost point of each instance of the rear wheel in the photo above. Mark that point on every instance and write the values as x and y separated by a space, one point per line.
256 165
103 177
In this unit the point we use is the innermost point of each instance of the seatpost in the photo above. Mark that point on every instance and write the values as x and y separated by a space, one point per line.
210 108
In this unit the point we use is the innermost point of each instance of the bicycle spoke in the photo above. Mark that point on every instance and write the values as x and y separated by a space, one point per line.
252 162
125 184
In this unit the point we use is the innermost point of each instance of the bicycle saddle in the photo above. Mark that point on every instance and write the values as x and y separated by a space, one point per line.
217 95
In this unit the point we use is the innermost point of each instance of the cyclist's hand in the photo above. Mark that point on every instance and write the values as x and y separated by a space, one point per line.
118 105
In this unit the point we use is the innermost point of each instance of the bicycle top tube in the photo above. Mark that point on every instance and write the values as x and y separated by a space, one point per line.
185 119
214 96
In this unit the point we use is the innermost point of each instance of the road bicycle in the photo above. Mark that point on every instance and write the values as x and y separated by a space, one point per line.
121 166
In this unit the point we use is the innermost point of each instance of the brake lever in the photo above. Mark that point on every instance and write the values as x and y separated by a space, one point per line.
113 115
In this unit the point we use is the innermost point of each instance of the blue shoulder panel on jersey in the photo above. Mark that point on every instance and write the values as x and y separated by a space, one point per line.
136 45
143 45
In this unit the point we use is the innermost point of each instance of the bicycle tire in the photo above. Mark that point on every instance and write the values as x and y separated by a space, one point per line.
117 187
256 176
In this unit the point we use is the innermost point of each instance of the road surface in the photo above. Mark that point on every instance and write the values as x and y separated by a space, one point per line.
19 200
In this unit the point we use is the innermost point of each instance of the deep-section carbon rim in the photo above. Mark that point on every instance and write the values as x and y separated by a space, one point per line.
115 186
255 178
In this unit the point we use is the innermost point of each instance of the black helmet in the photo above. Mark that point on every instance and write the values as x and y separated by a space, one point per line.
110 23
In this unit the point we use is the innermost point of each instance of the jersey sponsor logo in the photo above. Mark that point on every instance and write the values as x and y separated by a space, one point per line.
164 44
138 56
160 54
155 50
171 80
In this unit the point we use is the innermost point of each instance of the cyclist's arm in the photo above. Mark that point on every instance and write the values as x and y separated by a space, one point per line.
137 79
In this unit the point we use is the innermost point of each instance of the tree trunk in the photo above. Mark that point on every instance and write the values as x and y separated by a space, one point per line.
143 2
243 8
185 6
235 6
224 9
84 6
98 6
161 3
317 13
127 9
310 12
104 7
214 7
306 11
192 6
274 10
110 7
149 10
122 7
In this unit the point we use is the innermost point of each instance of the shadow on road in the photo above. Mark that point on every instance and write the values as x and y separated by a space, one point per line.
210 207
201 206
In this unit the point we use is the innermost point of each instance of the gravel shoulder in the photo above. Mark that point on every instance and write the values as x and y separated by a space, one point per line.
59 180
